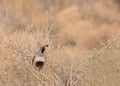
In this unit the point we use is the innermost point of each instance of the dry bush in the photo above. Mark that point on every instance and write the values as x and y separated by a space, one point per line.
16 68
89 23
103 66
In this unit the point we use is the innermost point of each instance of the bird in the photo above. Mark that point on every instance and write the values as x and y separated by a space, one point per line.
39 58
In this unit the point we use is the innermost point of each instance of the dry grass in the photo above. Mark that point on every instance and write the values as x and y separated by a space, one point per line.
103 66
16 68
71 28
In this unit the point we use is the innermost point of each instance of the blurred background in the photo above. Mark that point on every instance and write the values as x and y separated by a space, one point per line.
80 24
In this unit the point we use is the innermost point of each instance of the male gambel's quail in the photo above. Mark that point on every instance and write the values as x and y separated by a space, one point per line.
39 58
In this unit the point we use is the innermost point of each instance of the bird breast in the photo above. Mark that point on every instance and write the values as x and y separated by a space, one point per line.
39 59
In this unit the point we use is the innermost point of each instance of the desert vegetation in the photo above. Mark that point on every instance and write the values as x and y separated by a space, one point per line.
83 39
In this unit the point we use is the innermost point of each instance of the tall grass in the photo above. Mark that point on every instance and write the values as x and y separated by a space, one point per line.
103 68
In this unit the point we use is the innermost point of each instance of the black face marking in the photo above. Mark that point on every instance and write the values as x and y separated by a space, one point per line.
43 49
